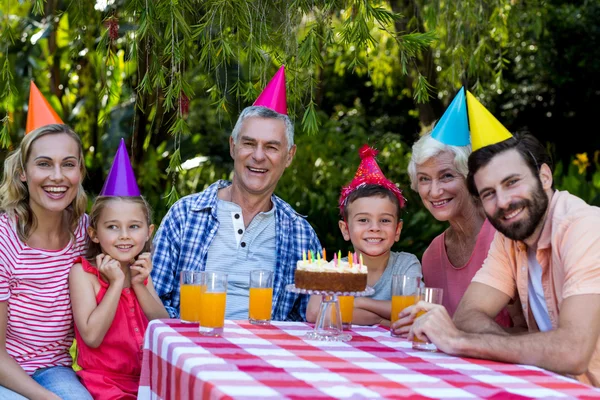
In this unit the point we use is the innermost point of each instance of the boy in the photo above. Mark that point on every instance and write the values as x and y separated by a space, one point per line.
370 206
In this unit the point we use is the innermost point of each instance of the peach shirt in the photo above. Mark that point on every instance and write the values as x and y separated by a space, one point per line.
569 254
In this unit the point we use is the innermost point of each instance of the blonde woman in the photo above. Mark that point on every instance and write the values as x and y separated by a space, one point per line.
42 231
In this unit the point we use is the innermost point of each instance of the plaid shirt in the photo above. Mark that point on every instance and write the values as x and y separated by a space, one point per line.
188 229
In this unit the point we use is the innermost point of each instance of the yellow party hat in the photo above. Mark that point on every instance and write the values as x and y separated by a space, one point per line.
485 128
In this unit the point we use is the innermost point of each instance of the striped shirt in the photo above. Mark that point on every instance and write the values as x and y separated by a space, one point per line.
35 285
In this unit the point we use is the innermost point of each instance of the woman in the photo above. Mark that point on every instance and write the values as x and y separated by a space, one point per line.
438 173
42 231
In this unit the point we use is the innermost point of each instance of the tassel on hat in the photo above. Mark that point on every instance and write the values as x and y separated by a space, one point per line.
369 173
273 96
40 112
121 179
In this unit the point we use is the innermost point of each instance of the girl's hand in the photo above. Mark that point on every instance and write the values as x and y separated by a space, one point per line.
110 268
140 269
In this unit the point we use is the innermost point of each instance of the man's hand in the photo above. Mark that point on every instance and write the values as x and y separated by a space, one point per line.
435 325
403 324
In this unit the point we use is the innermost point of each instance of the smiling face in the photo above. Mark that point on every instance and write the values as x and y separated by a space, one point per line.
122 229
443 190
260 155
52 173
372 225
514 199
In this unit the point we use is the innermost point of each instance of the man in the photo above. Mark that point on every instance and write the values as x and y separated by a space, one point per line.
235 227
547 252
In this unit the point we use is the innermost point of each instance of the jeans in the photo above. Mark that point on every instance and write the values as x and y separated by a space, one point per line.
60 380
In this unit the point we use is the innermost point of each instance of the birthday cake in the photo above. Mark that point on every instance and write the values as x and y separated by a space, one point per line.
335 275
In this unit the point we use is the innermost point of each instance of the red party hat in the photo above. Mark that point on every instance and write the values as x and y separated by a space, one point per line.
40 112
369 173
273 96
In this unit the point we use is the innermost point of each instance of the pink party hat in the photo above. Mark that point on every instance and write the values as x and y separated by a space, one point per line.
273 96
369 173
121 179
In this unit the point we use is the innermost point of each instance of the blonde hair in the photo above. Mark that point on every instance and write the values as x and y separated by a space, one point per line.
14 194
99 204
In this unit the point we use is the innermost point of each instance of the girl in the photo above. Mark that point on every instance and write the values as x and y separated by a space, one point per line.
113 297
42 232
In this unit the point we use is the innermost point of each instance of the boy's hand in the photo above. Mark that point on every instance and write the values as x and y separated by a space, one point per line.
110 268
140 269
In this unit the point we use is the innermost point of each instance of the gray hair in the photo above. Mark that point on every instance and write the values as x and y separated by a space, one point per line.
427 147
264 112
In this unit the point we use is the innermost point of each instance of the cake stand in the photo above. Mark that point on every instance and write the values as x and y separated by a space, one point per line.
328 326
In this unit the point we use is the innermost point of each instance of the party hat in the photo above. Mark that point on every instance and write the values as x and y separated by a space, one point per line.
273 96
485 128
369 173
121 179
453 127
40 112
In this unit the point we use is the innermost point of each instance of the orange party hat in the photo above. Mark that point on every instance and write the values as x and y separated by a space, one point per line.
40 112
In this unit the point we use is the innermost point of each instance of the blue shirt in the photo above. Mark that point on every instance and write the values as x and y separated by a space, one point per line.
188 229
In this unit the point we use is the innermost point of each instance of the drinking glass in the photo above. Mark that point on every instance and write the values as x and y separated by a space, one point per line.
429 295
346 308
261 297
190 295
212 313
404 294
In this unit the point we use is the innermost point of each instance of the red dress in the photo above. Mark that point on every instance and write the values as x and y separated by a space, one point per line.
112 371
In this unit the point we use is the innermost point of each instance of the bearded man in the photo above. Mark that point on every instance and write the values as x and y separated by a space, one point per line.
546 252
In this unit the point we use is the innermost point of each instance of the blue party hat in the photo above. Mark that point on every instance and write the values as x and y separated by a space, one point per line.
453 127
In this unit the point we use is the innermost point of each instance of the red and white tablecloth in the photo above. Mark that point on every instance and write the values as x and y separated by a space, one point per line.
276 361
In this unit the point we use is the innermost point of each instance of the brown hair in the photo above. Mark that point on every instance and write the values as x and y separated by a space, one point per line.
14 194
99 204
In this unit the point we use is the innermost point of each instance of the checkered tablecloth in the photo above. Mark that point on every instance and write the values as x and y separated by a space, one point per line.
277 362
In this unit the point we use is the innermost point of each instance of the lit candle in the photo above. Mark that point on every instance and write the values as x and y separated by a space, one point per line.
309 256
335 260
350 259
324 255
303 255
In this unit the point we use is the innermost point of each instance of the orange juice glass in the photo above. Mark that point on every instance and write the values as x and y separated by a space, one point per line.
190 295
429 295
404 292
346 308
261 297
214 297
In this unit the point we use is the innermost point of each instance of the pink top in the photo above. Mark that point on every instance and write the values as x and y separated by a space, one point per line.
112 370
439 272
34 283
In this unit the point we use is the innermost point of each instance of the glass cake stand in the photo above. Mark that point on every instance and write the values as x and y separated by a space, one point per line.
328 326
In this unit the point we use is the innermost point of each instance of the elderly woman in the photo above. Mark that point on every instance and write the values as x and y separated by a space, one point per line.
438 173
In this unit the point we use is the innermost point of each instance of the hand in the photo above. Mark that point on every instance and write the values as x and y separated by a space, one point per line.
402 325
435 325
140 269
110 268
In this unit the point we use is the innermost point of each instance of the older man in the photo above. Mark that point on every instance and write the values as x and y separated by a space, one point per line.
547 253
235 227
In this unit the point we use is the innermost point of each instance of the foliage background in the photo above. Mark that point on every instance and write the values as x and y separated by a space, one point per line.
171 77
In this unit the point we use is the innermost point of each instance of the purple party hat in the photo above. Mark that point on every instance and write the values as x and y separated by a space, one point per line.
121 179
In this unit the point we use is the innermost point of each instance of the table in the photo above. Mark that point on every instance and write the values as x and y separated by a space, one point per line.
276 362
